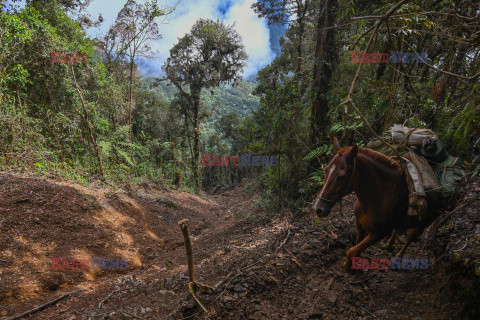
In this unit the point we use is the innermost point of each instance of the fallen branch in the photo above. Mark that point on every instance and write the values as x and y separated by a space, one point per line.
329 284
6 261
43 306
294 258
283 242
20 201
227 283
125 313
436 225
466 242
224 280
107 298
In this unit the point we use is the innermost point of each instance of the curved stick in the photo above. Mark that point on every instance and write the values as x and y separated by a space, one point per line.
43 306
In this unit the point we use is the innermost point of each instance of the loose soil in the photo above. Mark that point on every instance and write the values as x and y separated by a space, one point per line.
289 267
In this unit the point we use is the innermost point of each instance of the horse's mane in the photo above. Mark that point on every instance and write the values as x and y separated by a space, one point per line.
379 158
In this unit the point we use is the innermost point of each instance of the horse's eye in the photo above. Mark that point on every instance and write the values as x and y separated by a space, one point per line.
342 176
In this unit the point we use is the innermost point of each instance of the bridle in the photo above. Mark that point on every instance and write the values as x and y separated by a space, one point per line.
348 185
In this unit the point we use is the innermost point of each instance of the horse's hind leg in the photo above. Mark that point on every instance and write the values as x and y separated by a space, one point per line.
412 234
391 241
360 233
355 251
415 232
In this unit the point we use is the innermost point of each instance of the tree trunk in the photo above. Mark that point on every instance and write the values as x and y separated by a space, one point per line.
196 136
130 98
130 107
97 151
326 56
301 30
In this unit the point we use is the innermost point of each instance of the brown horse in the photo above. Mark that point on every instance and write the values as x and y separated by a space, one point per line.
382 196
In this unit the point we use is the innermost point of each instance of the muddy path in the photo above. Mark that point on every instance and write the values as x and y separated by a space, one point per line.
260 268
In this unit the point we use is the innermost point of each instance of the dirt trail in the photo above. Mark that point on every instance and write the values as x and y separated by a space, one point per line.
262 270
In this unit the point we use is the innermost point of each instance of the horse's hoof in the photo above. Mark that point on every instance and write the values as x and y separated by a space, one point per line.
347 265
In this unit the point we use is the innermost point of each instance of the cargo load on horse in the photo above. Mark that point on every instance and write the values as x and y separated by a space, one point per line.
432 174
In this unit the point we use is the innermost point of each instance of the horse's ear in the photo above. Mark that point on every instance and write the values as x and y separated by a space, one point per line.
336 144
354 151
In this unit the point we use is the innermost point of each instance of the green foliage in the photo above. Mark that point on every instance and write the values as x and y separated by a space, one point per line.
320 151
45 127
462 128
211 54
386 94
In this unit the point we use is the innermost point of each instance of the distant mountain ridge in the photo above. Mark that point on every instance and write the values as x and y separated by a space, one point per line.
224 100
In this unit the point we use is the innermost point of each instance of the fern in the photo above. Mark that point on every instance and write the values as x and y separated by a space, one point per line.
318 177
338 127
125 156
106 148
323 149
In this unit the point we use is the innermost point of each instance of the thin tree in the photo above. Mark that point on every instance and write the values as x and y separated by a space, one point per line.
137 27
211 54
326 55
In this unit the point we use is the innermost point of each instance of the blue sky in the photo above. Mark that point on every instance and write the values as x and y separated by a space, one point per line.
253 30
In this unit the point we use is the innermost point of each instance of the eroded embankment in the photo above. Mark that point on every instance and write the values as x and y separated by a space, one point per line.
40 220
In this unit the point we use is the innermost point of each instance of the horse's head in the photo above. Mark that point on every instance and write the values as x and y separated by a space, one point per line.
338 178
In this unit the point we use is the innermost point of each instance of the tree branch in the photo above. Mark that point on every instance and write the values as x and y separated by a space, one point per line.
349 100
442 71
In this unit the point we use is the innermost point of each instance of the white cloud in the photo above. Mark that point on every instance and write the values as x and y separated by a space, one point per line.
187 13
253 30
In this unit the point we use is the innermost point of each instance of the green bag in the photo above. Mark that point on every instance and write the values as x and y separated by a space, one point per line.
449 173
378 145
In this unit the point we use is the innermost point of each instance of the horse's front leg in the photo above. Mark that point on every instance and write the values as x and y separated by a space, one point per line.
355 251
391 241
357 210
360 233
